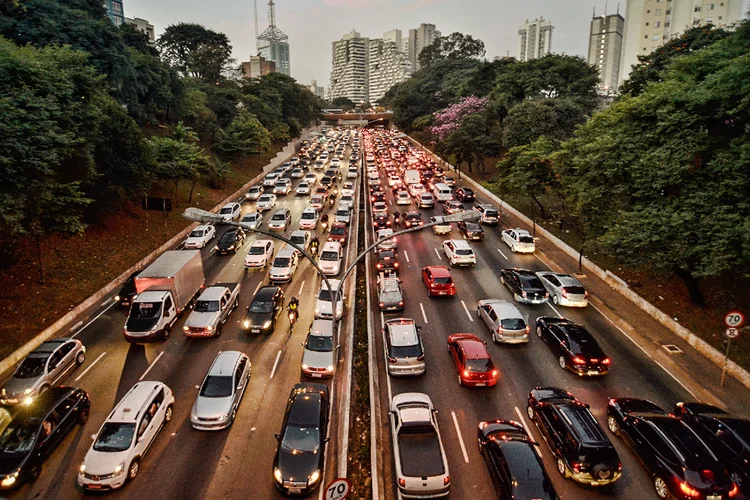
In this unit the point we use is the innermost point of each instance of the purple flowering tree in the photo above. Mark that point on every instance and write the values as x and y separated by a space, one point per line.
448 121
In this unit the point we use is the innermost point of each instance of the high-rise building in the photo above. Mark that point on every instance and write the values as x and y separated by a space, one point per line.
144 27
419 38
387 64
605 49
534 39
273 44
257 67
115 11
349 71
649 23
316 89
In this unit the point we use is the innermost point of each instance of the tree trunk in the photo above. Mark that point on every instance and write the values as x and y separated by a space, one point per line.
541 207
192 188
39 260
693 285
176 194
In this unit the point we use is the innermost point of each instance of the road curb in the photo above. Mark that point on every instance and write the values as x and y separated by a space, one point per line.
705 349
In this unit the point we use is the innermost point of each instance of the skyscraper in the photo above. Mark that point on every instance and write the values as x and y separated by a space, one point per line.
387 64
349 72
273 44
649 23
115 11
605 49
316 89
534 39
419 38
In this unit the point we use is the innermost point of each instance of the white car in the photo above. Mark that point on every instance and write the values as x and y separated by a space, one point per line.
390 243
309 218
373 175
283 186
342 215
310 178
266 202
259 254
270 179
416 189
280 220
347 189
351 173
379 207
125 437
323 304
330 259
230 211
394 180
284 265
301 239
336 163
519 240
346 201
564 289
302 189
253 219
318 358
459 252
254 192
200 236
297 173
403 198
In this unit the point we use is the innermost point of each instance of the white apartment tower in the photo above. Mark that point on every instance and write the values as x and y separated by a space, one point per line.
420 38
649 23
605 49
387 64
534 39
349 76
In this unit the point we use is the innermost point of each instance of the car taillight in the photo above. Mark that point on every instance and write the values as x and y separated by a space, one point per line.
688 490
401 303
379 265
565 293
420 358
495 373
446 480
382 304
606 361
395 264
576 467
586 294
402 482
578 360
528 330
523 294
466 373
733 492
391 360
500 330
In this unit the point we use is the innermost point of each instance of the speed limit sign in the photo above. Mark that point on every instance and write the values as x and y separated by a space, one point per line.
734 319
338 489
732 333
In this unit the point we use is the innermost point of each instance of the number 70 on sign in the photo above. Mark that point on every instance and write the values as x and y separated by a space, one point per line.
734 319
338 489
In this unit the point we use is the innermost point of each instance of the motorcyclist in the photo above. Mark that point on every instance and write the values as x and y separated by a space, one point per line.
314 244
293 306
332 198
324 219
396 218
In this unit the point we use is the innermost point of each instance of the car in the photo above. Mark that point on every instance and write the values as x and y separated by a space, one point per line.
299 460
200 236
564 289
259 254
347 189
512 462
326 181
412 219
301 239
269 180
394 180
331 256
390 294
318 357
230 241
451 207
264 309
377 196
525 286
441 226
351 173
342 215
309 218
519 240
254 192
338 233
438 281
426 200
449 180
473 361
678 460
347 202
388 244
488 214
230 211
125 436
221 392
41 369
404 349
471 230
31 433
127 293
416 189
387 261
323 303
284 265
297 173
266 202
318 201
464 194
581 449
505 323
576 349
381 221
254 220
403 198
310 178
280 220
302 189
379 207
282 187
459 252
336 163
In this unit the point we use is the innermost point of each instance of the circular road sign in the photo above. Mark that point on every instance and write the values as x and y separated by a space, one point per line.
734 319
338 489
732 333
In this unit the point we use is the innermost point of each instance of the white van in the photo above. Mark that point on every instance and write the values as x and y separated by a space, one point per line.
412 177
442 192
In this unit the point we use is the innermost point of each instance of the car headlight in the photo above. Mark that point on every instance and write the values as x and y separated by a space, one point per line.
28 400
82 468
209 328
267 324
231 247
246 323
117 298
27 391
313 478
120 468
186 328
277 475
9 480
329 368
305 366
224 416
317 311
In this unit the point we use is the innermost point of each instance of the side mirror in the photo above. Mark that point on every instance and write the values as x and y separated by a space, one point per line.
419 327
278 436
326 440
304 344
434 411
93 437
166 314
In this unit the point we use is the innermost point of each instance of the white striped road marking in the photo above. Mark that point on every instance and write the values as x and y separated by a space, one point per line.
258 287
553 308
106 301
79 377
151 366
406 255
460 438
213 249
275 364
301 287
467 311
501 253
74 327
382 319
95 318
438 254
523 422
423 314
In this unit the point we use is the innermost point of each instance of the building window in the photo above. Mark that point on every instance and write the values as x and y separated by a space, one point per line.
697 8
711 6
645 36
646 24
658 12
669 11
655 37
657 24
666 24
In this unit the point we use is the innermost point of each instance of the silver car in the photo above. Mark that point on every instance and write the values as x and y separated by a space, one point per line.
504 321
221 392
253 219
254 192
318 356
564 289
42 369
390 294
403 347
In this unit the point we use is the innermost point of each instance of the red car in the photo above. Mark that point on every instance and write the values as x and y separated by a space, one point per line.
473 361
338 233
438 281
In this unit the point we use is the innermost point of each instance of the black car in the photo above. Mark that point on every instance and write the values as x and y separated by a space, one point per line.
679 462
412 219
387 261
582 450
514 466
381 221
127 293
298 464
326 181
727 436
576 349
377 196
525 286
464 194
263 310
231 241
471 230
30 433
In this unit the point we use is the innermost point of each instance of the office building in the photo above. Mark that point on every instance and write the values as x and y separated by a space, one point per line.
115 11
316 89
257 67
419 38
273 45
144 27
349 71
534 39
649 23
387 65
605 49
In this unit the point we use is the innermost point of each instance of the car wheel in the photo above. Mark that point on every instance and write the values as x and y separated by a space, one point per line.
35 472
555 299
539 331
234 414
502 280
494 338
135 466
561 361
530 412
661 488
80 358
562 468
737 477
168 413
83 416
516 297
167 331
612 424
460 382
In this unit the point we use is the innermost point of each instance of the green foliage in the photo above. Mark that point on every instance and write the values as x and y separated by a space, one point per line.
277 99
533 118
178 160
194 111
196 51
243 137
454 46
343 102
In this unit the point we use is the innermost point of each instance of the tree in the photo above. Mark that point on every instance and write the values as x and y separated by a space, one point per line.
454 46
195 113
343 102
196 51
177 160
533 118
243 137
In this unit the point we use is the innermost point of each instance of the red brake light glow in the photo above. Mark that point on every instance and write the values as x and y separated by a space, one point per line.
689 490
578 360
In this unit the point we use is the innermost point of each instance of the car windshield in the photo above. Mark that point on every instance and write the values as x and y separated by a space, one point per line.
261 306
308 215
198 233
254 189
390 296
325 296
250 218
575 290
339 230
145 310
257 250
228 238
443 281
298 439
32 367
279 217
226 211
206 306
470 226
490 212
298 240
319 343
264 198
329 255
464 251
479 365
512 324
217 386
281 262
528 281
114 437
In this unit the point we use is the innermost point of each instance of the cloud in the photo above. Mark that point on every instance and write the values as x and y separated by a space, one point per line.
349 3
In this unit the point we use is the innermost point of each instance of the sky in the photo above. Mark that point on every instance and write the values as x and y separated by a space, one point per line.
312 25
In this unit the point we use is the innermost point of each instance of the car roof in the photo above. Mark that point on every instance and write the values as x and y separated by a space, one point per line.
305 409
260 243
129 408
230 205
334 284
298 232
578 417
224 363
503 308
266 292
439 271
460 244
202 227
281 211
402 331
50 346
322 328
332 246
286 251
473 348
212 293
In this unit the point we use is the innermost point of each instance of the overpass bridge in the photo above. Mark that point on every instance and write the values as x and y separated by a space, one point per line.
345 119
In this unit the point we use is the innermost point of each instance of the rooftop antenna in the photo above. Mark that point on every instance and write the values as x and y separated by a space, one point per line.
605 9
256 27
272 33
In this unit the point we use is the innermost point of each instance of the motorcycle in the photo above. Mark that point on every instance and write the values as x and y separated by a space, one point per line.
396 221
292 316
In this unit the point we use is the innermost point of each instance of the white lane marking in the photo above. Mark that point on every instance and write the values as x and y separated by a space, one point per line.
467 311
501 253
106 301
406 255
423 314
382 319
275 364
76 326
95 318
79 377
257 287
523 422
301 287
438 254
460 437
151 366
553 308
213 249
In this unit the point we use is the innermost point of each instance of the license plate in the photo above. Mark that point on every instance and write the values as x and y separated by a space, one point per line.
316 375
713 497
94 486
295 491
480 384
255 330
593 372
